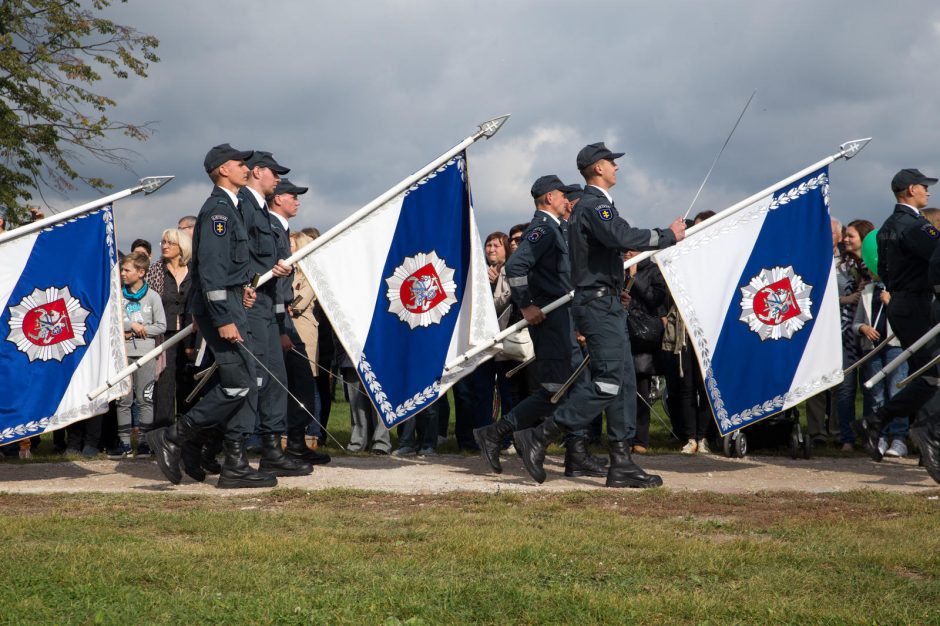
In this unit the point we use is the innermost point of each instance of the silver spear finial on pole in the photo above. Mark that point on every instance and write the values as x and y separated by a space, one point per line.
851 148
491 127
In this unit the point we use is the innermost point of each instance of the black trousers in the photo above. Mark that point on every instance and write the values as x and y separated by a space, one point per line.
909 315
612 382
265 344
231 402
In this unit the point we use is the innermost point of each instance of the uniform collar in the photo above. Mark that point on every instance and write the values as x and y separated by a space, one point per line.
552 217
259 199
603 191
231 195
281 219
907 206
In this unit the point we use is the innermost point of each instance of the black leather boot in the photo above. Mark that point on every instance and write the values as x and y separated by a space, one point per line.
189 452
868 429
579 461
927 440
297 449
208 454
274 460
237 473
624 472
167 443
490 440
532 444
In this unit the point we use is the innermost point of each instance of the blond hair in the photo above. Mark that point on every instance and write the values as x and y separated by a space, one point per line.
183 240
300 238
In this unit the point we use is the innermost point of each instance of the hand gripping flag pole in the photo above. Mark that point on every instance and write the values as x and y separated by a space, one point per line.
147 185
485 130
901 358
846 151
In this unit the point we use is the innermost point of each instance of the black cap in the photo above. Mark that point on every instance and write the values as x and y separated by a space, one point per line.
905 178
545 184
265 159
223 153
573 192
285 186
592 153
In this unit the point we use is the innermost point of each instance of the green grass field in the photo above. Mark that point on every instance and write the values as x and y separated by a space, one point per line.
356 557
661 441
342 557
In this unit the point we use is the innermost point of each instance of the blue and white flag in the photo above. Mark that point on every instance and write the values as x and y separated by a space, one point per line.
758 295
406 290
61 329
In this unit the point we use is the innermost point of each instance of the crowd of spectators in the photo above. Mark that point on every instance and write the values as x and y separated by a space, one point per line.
155 295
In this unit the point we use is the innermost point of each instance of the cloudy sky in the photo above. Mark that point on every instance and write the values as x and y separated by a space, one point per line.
355 96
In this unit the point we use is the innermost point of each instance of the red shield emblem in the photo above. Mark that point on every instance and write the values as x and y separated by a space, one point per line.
775 303
421 291
48 324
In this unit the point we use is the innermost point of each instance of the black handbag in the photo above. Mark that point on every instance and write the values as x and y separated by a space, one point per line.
646 331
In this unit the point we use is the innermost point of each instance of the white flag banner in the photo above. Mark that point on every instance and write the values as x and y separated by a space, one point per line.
758 295
61 324
406 291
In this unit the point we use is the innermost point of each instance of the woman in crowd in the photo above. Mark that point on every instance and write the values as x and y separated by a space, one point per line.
170 278
473 394
852 276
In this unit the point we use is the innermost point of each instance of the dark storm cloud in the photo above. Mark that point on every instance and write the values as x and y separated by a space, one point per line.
356 96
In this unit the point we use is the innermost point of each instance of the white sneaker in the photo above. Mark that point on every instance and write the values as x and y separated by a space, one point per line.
897 449
690 447
703 446
882 445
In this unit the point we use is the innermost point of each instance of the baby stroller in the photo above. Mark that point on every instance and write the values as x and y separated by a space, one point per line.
776 431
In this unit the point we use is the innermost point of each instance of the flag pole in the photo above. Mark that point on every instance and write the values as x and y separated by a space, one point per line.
485 130
846 151
918 373
718 156
901 358
147 185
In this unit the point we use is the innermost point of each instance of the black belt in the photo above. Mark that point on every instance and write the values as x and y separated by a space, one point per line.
594 292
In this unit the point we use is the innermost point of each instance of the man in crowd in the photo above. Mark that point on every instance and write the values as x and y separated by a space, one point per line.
186 224
220 273
266 317
906 243
283 204
538 273
597 237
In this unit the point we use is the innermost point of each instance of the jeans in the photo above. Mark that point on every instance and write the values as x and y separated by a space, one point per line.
420 432
846 402
897 428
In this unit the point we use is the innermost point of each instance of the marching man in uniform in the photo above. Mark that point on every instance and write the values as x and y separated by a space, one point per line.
219 297
266 317
597 238
538 273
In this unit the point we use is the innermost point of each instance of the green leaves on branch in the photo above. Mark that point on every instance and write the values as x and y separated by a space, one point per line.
52 52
